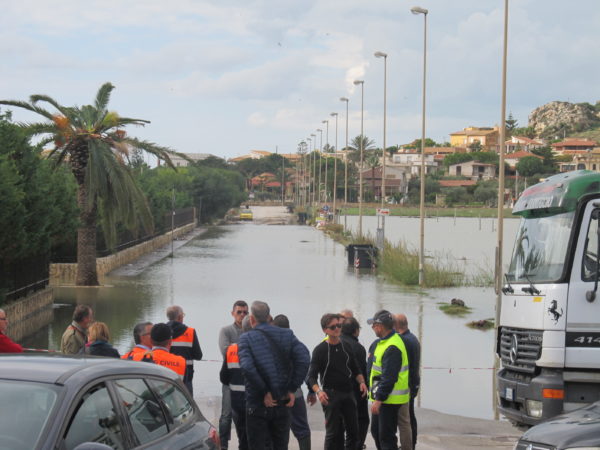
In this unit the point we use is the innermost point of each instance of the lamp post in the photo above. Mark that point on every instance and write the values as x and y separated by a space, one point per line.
320 156
334 114
344 99
501 182
326 122
384 56
419 10
360 177
314 167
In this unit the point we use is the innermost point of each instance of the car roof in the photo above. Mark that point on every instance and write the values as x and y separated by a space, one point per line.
58 368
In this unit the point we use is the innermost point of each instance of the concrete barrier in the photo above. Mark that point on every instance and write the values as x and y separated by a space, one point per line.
61 274
29 314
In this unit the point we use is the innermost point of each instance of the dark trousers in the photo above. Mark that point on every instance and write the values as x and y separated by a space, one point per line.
384 426
238 414
362 412
413 419
362 409
265 425
299 418
340 413
226 416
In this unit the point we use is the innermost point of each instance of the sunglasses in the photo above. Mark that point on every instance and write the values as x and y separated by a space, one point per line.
241 312
333 327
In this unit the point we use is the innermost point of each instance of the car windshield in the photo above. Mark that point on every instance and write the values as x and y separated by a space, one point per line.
24 411
541 248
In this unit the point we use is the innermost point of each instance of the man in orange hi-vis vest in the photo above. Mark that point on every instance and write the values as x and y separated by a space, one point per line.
232 377
161 335
185 343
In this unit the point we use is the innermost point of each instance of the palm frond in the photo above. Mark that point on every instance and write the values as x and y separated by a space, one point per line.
130 121
28 106
103 96
33 129
163 153
45 98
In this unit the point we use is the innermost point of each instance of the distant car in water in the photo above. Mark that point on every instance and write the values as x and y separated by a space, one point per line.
246 214
58 402
578 429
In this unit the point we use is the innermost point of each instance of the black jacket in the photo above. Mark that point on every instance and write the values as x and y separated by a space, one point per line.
413 351
102 348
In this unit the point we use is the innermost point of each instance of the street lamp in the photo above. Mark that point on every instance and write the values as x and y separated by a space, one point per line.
320 156
326 122
384 56
419 10
360 177
344 99
334 114
307 172
501 176
314 165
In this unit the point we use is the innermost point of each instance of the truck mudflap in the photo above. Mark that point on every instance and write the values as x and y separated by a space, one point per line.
514 391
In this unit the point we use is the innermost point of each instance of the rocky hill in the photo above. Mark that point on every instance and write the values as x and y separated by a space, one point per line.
564 118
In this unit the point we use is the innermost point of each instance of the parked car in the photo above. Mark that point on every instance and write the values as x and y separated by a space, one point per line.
246 214
60 402
576 430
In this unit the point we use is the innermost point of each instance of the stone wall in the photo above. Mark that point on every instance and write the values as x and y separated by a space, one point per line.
29 314
61 274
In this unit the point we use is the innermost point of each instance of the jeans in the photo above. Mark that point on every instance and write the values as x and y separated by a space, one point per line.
299 426
264 424
340 413
226 416
384 425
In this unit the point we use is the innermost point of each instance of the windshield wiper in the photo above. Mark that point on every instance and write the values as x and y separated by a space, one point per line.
508 289
531 289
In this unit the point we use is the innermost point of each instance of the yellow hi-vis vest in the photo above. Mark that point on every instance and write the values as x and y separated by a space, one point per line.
400 393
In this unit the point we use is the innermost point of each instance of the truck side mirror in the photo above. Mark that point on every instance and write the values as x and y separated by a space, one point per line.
590 296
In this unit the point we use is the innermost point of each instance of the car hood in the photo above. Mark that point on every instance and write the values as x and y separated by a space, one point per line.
578 428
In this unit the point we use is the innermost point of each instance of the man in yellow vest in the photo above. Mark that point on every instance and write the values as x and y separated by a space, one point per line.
387 367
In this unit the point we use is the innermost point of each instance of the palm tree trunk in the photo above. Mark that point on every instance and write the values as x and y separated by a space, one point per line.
87 274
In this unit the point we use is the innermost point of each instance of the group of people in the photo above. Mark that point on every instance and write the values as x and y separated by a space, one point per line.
172 344
265 366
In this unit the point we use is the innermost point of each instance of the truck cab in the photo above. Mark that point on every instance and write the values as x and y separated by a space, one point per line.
549 329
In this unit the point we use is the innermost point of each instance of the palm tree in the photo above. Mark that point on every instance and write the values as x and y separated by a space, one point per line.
90 139
368 144
372 160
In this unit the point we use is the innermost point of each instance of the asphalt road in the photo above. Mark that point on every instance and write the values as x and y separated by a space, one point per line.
436 430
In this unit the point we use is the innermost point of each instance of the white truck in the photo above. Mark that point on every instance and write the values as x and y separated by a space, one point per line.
549 329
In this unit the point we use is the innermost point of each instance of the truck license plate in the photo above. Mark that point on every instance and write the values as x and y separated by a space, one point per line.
509 394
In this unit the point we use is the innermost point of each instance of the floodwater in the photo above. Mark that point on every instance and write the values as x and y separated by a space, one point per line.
301 273
468 243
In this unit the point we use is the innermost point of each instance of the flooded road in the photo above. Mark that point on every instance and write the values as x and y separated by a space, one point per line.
303 274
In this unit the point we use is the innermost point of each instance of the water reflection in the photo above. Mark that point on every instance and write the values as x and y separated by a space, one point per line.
303 274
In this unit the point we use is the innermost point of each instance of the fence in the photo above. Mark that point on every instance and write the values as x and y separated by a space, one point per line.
26 276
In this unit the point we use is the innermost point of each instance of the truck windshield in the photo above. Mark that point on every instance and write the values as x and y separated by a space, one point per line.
541 248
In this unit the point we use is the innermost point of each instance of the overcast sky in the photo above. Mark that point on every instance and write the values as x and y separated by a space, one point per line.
228 76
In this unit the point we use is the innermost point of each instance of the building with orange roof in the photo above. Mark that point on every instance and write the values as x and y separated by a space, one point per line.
516 143
513 158
488 137
573 146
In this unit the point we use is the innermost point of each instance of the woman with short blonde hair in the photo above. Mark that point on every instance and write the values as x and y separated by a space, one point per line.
98 337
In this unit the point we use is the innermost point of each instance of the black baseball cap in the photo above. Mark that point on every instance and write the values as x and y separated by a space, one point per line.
383 317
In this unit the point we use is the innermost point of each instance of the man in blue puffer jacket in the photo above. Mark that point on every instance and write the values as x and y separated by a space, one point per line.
274 363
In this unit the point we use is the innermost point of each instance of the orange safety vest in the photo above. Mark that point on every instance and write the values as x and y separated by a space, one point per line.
186 340
135 351
236 382
163 358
